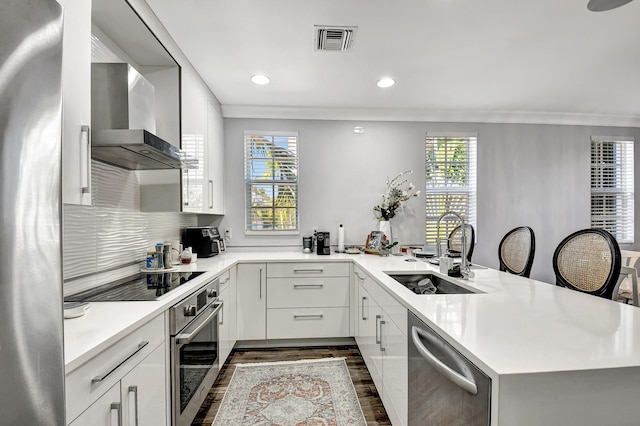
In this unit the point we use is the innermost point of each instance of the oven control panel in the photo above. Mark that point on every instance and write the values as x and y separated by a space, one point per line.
181 314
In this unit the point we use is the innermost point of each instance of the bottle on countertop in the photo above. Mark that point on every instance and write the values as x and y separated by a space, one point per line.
166 252
151 259
159 256
186 256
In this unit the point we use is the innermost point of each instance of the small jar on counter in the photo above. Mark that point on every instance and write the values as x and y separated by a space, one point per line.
186 256
151 260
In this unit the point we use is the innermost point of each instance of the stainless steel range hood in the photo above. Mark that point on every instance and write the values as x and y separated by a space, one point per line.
123 122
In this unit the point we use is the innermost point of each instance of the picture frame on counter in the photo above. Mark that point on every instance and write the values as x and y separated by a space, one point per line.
374 241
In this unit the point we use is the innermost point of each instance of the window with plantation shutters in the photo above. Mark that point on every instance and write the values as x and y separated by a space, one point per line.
450 170
271 181
612 187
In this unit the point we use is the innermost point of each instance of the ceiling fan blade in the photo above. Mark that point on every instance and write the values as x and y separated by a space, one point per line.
603 5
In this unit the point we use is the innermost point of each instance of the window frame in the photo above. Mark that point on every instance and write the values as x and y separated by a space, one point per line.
433 192
250 183
613 183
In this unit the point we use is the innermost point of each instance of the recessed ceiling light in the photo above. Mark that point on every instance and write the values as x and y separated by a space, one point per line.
386 82
260 79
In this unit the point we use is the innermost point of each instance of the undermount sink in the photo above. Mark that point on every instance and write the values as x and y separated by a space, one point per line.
442 286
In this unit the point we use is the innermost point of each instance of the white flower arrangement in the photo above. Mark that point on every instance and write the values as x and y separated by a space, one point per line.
395 197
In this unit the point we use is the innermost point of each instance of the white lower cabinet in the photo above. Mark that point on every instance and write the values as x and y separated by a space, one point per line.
308 300
106 411
252 297
124 385
382 340
227 321
300 323
367 337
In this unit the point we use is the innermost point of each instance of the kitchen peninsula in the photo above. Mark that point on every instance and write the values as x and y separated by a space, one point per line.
554 356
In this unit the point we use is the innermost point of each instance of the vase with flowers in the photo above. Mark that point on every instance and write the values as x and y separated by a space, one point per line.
399 191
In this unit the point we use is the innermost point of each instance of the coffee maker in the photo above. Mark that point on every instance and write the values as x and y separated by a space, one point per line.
322 243
205 240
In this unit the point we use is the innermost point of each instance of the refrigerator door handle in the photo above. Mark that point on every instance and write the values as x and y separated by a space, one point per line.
86 160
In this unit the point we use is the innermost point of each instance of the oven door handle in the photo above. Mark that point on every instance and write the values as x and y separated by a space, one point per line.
188 337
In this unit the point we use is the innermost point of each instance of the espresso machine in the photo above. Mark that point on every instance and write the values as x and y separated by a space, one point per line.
205 240
323 244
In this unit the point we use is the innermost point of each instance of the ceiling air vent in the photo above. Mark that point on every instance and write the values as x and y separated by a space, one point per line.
335 39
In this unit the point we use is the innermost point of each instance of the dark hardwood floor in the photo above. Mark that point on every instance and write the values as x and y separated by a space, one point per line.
372 408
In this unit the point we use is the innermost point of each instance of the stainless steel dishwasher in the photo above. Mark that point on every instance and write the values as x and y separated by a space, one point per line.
445 388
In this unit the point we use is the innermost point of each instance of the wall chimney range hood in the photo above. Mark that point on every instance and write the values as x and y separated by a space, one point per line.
123 122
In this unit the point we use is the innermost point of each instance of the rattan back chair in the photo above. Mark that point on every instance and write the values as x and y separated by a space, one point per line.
589 261
454 242
516 251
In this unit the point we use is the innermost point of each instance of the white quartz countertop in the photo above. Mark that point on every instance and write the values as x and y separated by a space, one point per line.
514 326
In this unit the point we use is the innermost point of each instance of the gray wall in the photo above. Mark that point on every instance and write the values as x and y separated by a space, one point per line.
535 175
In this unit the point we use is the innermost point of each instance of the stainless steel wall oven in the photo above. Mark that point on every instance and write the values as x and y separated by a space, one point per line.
194 350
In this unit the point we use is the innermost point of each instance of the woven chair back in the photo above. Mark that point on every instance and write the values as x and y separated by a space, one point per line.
455 240
588 261
516 251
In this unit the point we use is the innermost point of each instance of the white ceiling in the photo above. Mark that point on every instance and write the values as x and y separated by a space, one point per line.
472 60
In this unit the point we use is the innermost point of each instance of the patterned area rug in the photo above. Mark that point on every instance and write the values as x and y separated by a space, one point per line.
308 392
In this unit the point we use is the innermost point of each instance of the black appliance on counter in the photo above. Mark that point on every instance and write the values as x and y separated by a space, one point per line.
322 243
204 240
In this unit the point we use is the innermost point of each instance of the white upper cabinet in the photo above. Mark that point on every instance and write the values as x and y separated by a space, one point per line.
202 138
194 136
76 106
215 145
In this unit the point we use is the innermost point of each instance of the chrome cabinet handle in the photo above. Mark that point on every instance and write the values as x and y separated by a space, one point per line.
221 321
361 278
317 316
101 377
260 283
382 348
226 280
308 271
118 412
304 286
188 337
464 380
133 390
363 317
211 194
186 174
86 176
378 318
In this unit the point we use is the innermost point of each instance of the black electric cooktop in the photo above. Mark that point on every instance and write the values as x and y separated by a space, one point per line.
135 288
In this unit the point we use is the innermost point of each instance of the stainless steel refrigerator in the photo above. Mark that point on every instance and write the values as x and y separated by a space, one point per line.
31 313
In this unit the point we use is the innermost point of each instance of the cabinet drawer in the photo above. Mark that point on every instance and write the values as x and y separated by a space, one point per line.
308 269
298 323
307 292
82 385
224 280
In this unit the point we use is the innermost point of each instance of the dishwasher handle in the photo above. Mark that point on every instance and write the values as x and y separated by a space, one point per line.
465 382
